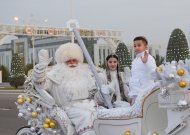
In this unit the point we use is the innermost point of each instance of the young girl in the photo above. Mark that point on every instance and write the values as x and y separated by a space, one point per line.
114 83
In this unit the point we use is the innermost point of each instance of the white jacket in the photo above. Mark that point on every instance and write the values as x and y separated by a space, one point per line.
141 78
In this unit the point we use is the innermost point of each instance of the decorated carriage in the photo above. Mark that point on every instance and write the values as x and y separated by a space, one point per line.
160 111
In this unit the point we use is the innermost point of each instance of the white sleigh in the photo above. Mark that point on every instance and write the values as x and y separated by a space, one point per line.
148 116
156 112
150 119
165 111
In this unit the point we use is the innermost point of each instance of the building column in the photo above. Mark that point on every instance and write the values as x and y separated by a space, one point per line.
96 55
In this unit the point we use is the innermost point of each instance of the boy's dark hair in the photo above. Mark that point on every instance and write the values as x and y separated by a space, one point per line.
141 38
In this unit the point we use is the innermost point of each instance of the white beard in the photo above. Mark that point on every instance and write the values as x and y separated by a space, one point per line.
77 82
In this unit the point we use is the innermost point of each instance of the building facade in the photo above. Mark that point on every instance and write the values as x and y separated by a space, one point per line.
30 39
28 49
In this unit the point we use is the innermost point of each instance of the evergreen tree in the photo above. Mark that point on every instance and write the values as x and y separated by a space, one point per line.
159 60
17 76
28 67
5 73
124 56
103 65
177 46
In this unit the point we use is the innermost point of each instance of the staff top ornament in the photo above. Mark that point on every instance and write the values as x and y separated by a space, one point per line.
71 24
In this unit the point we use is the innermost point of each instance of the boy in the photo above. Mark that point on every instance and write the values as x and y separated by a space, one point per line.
142 67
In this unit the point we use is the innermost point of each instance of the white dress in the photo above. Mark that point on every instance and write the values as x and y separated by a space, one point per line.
115 89
141 79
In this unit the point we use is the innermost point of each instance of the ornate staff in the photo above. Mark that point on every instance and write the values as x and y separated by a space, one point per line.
73 25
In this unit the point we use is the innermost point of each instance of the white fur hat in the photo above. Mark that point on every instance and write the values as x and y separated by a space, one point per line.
69 51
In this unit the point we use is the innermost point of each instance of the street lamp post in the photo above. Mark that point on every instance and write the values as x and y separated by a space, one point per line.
72 38
72 11
33 51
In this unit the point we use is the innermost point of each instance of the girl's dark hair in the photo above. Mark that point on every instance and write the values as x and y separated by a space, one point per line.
121 87
112 56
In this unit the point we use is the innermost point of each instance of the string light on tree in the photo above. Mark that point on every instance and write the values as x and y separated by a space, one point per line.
17 76
177 46
124 56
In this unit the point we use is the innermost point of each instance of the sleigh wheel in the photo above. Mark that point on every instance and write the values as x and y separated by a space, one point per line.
25 131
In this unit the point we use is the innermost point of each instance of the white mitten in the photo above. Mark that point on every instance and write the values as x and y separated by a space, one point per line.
39 72
43 56
40 66
106 89
44 59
